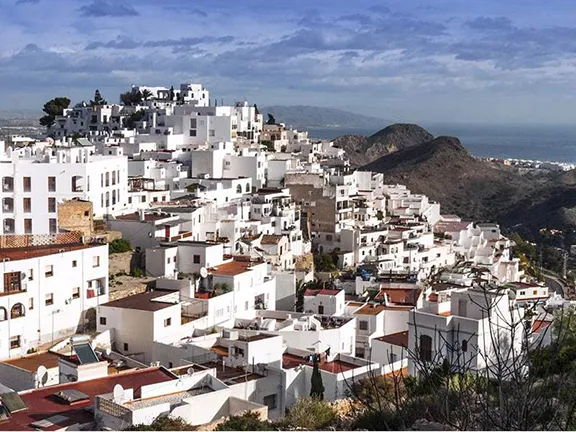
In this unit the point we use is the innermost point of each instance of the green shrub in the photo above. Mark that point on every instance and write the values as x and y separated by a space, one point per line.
163 423
136 272
311 414
118 246
249 421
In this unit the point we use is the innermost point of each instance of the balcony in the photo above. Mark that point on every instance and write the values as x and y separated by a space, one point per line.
13 284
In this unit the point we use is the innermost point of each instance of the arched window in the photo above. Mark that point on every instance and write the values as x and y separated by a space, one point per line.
425 348
464 346
247 187
17 311
238 189
3 314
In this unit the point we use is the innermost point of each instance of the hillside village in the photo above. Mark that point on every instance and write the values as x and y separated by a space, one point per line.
262 260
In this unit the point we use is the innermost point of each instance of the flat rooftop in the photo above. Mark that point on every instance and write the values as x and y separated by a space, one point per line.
40 251
144 302
399 339
31 363
148 217
370 309
41 404
232 268
227 374
290 361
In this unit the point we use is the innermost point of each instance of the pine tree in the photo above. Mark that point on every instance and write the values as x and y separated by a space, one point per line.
317 387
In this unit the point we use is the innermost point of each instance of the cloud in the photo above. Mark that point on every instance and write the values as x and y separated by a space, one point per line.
126 43
21 2
490 24
105 8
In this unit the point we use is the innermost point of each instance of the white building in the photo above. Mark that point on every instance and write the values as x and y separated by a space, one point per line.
46 291
33 184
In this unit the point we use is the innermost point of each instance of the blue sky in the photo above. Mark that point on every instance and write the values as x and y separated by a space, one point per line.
434 61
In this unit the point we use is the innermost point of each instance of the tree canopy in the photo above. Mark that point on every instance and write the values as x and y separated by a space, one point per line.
53 108
131 98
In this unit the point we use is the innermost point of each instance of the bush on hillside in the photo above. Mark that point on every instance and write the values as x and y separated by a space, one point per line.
118 246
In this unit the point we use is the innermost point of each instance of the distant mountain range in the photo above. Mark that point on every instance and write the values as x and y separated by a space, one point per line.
304 116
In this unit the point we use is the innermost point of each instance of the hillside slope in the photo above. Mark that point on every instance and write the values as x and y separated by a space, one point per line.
362 150
304 116
444 170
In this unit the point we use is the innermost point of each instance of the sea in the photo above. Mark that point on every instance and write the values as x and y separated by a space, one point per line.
553 143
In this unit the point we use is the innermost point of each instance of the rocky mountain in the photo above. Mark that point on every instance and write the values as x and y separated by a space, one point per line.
472 188
362 150
304 116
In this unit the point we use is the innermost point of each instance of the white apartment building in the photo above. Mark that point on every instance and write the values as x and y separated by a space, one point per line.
472 328
33 185
46 291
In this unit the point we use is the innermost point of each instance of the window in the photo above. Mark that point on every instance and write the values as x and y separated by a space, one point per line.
51 184
17 311
246 306
102 320
360 352
31 303
15 342
170 365
53 225
76 292
321 310
31 274
212 132
363 325
74 263
51 205
167 322
125 346
27 184
193 123
270 401
49 271
28 226
27 205
196 259
107 177
49 299
535 292
464 346
12 282
96 261
192 132
425 348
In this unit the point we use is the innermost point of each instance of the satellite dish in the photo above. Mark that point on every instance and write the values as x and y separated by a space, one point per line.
203 272
190 371
42 375
511 295
118 393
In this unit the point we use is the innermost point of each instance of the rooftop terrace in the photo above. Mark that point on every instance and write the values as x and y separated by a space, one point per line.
290 361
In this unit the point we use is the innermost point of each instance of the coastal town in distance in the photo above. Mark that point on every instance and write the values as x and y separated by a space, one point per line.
174 263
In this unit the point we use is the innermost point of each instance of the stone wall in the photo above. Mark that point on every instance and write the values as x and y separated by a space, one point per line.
76 215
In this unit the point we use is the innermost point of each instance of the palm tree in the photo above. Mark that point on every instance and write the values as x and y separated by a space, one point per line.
146 94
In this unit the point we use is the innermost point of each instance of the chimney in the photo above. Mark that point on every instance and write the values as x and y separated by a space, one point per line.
142 215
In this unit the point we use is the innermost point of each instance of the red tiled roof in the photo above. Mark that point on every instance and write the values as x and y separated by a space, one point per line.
42 405
290 361
400 339
35 252
232 268
539 325
144 301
